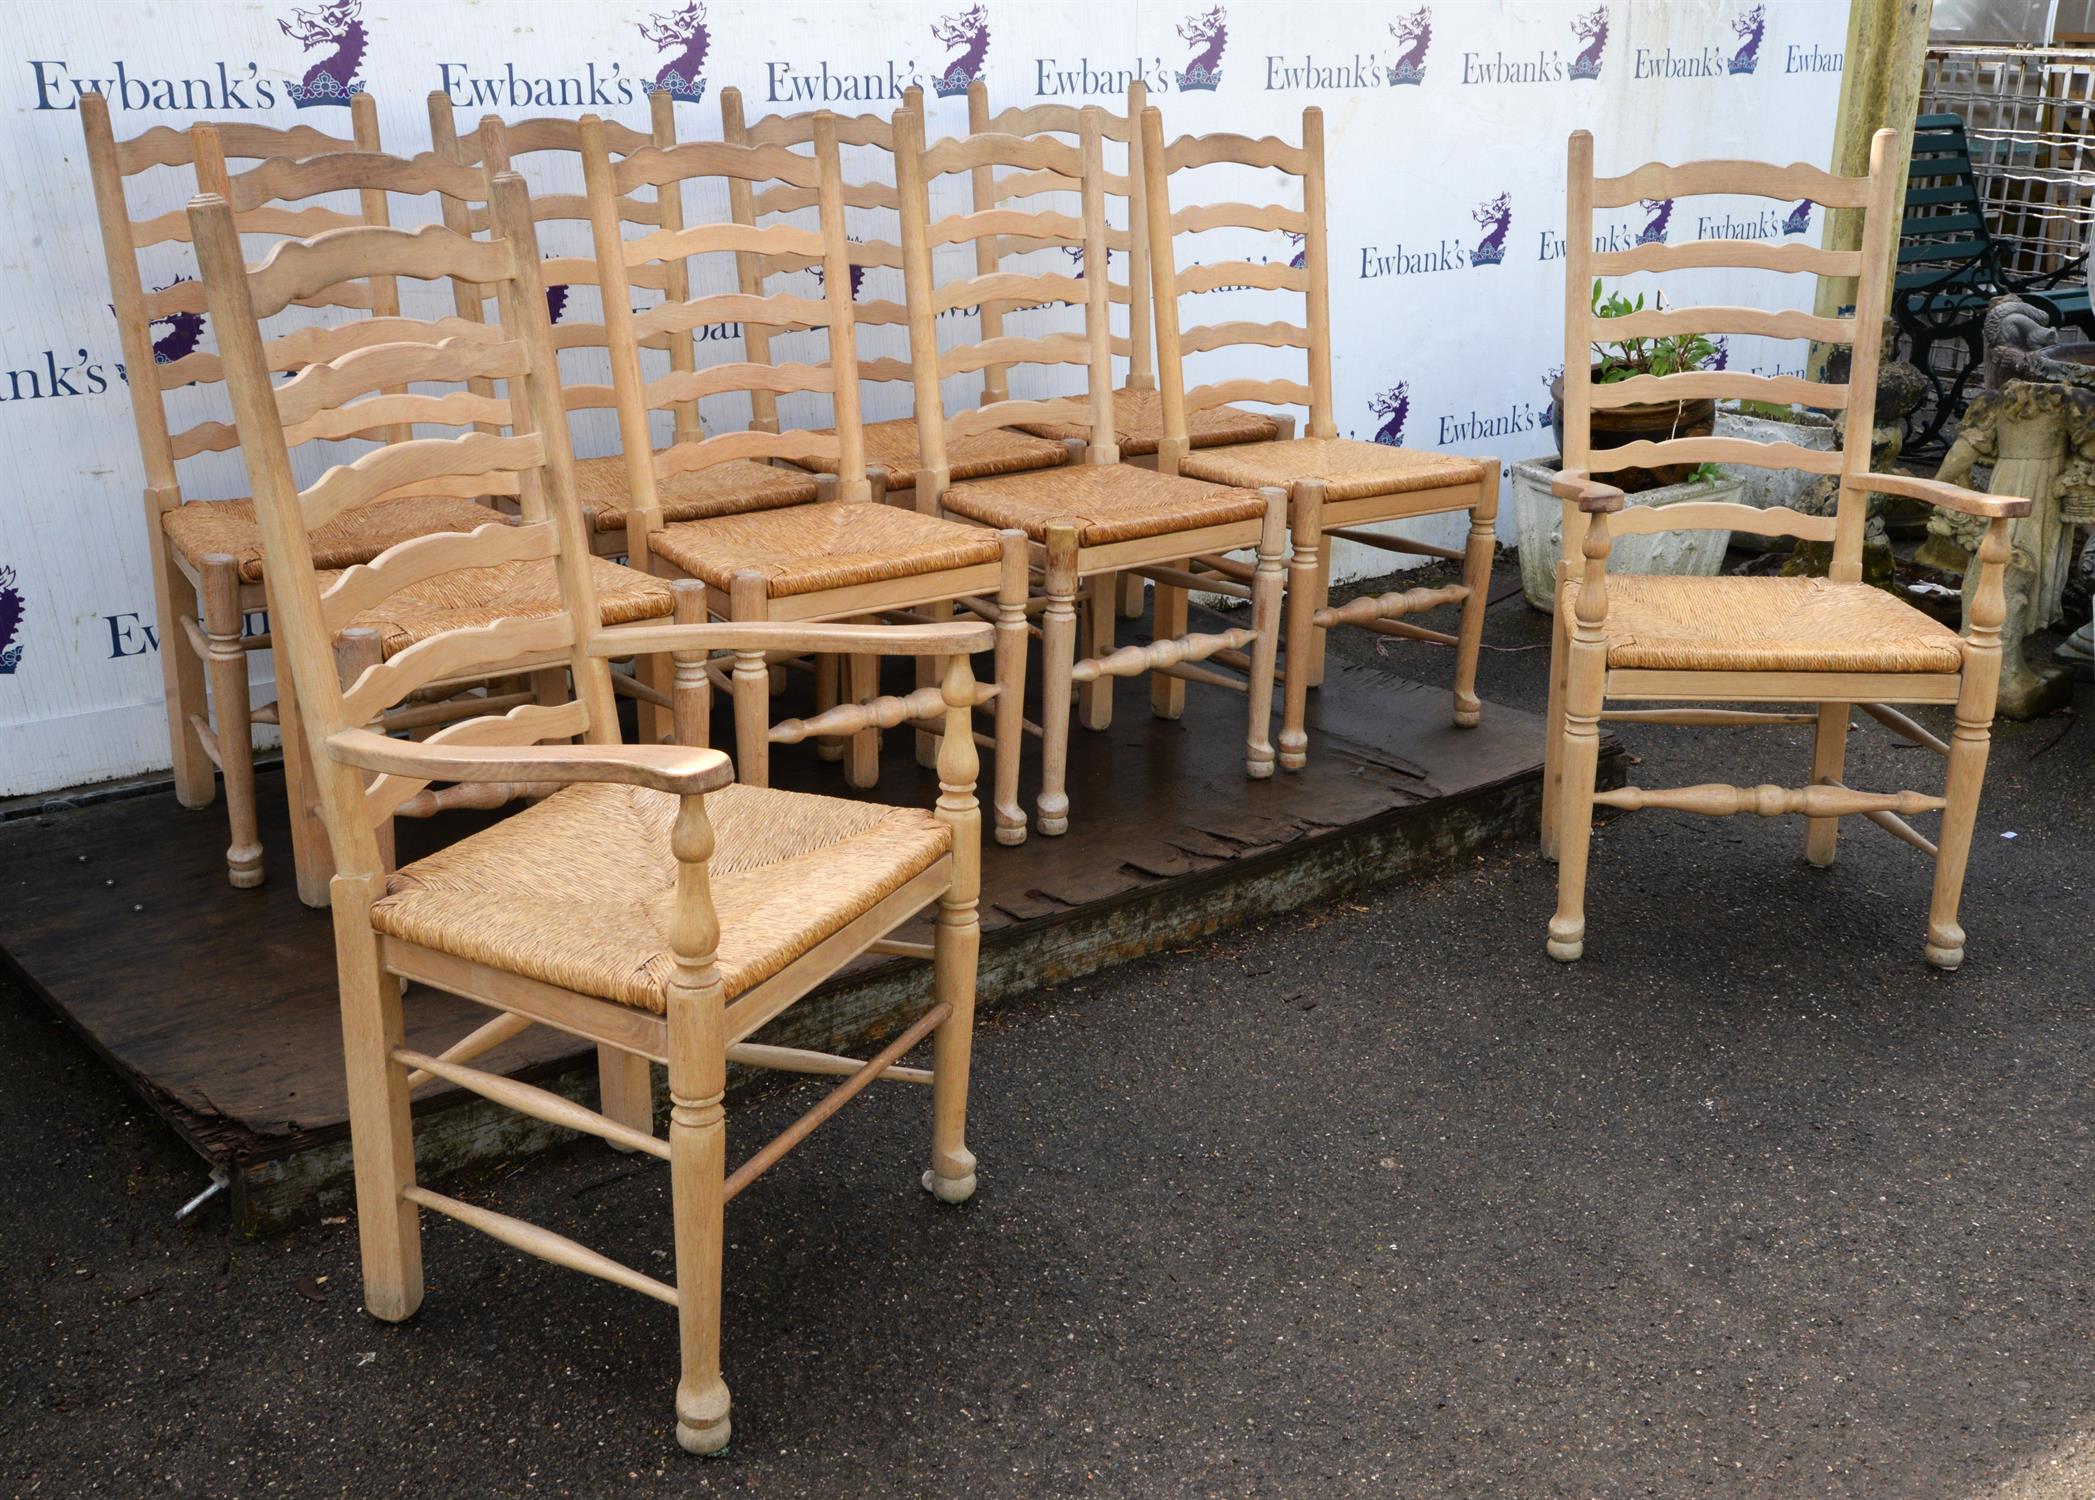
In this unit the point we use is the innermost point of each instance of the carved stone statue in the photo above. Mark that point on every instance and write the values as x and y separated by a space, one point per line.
1900 389
2014 330
2040 439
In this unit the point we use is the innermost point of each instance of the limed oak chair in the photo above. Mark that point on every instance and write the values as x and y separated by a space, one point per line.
547 153
831 559
1095 517
1826 643
648 904
1138 406
1336 486
895 446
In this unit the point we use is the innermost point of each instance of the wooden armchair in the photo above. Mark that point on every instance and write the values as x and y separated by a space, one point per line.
1824 642
894 446
835 559
547 153
1336 486
1096 517
647 904
207 553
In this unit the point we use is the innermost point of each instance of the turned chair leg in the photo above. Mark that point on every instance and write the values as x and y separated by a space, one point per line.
1131 596
828 673
1101 621
625 1089
381 1131
1268 583
1970 743
1058 649
862 750
697 1007
1013 589
312 856
1167 695
1829 754
748 599
1579 756
232 711
1476 577
930 670
1553 730
1306 530
182 681
955 946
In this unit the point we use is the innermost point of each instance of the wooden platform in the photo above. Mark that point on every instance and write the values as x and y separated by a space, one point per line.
218 1005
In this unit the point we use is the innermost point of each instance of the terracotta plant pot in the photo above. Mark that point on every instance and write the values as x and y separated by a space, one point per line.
1613 426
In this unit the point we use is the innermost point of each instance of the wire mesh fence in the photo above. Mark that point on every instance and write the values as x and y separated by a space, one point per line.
2030 115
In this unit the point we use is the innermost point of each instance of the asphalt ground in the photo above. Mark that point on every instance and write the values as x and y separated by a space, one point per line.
1371 1199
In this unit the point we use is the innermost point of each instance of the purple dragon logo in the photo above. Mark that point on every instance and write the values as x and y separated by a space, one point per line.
1209 34
1592 29
1392 406
1654 230
556 302
1301 244
684 32
1415 31
969 33
858 273
1799 220
332 80
1750 27
1496 220
1549 396
185 330
1721 360
10 623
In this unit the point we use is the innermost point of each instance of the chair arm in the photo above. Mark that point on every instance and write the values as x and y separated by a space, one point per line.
1947 496
664 768
959 637
1590 494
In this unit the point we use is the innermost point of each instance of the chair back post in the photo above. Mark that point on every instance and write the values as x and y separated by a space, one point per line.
1104 448
852 483
1322 420
685 426
1171 368
300 635
457 217
1578 335
749 265
1142 360
1879 224
982 197
912 192
634 436
549 492
127 295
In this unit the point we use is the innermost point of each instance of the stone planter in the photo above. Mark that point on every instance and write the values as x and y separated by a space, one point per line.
1650 421
1773 487
1539 515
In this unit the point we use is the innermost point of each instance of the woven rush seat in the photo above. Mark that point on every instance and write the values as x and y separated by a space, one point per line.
508 591
1769 625
1138 425
1350 469
896 447
1105 502
577 891
723 489
807 549
204 528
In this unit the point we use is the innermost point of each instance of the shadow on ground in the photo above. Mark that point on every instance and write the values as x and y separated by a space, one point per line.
1374 1199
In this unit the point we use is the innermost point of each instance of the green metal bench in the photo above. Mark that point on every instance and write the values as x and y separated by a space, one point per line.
1950 269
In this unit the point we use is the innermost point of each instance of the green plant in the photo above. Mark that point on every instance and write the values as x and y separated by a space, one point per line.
1706 474
1768 411
1670 355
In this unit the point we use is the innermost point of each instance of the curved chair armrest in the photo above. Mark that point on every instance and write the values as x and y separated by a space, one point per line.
681 769
1947 496
961 637
1590 494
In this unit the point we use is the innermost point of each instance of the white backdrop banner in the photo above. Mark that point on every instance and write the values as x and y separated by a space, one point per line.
1445 126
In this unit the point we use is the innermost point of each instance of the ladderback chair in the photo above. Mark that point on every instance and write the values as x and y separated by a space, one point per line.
1336 486
894 446
1827 643
1138 411
550 150
647 903
833 559
206 554
1095 517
